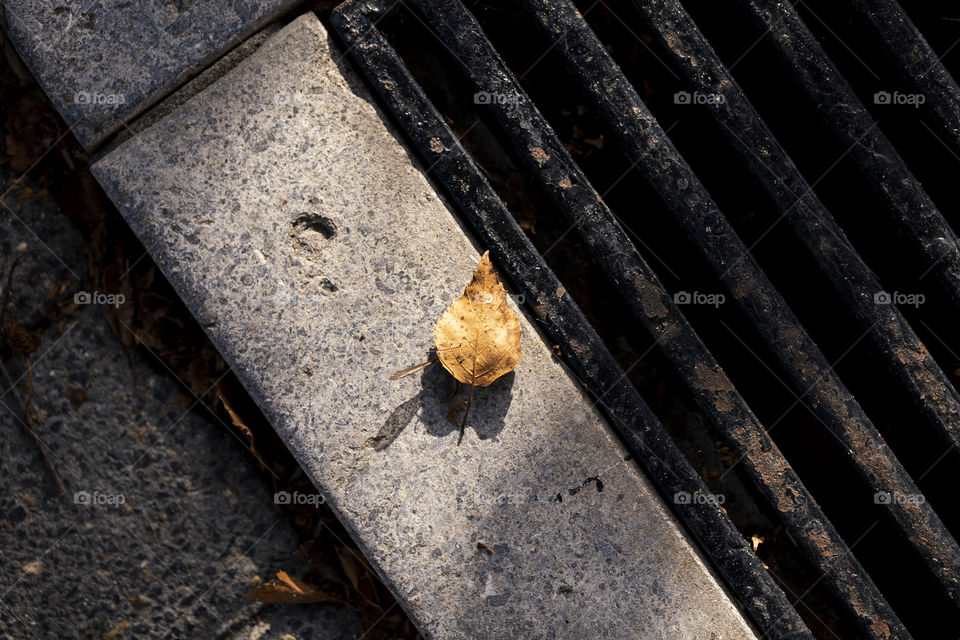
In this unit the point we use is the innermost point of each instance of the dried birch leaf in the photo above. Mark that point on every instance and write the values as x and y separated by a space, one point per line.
478 337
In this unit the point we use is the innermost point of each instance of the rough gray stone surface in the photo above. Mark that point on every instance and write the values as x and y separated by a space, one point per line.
196 523
103 62
200 82
303 622
317 256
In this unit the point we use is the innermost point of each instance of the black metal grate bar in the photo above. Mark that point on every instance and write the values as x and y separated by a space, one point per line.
551 165
917 64
911 208
812 223
562 319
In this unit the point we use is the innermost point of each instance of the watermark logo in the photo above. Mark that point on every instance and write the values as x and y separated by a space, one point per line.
97 499
499 499
97 98
886 497
483 297
292 98
298 498
487 97
910 99
886 297
696 297
685 497
686 97
285 297
480 499
98 297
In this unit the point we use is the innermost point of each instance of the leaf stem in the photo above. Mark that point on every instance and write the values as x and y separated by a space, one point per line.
463 424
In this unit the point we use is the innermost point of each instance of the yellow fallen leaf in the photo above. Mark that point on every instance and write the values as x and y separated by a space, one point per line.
478 337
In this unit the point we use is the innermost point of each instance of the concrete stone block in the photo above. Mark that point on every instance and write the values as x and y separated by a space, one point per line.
102 63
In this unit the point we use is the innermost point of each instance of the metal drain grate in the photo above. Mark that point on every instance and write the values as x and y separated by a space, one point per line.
805 369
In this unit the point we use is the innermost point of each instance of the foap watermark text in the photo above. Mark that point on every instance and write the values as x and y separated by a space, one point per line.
696 297
98 499
298 498
897 98
896 297
99 297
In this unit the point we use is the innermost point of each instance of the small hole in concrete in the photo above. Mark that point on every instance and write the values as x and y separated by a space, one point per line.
309 232
315 222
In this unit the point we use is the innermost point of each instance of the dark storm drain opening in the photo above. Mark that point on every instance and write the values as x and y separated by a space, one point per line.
807 447
851 588
783 105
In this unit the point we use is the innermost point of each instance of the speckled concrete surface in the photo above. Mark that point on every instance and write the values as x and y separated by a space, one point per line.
176 522
317 256
103 62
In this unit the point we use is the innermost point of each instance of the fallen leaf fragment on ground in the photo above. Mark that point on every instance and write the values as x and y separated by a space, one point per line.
478 337
287 590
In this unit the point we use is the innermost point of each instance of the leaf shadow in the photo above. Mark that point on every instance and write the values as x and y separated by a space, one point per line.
487 413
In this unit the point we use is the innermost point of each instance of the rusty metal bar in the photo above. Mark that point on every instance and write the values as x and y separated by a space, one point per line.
918 65
694 59
907 203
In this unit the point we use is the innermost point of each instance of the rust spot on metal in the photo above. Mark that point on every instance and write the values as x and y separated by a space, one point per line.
823 542
651 299
791 336
913 357
565 183
744 288
716 382
435 145
705 377
880 627
539 155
